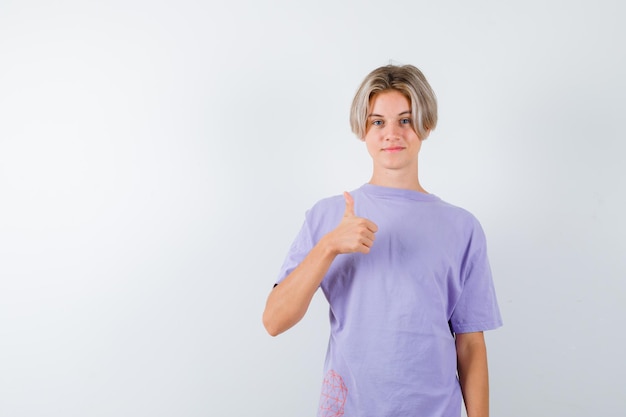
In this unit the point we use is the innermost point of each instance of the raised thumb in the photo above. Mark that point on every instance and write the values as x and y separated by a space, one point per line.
349 212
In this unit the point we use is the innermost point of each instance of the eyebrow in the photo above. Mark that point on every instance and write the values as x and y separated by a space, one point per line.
379 115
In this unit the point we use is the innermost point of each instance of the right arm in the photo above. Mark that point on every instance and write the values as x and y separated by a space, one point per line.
289 301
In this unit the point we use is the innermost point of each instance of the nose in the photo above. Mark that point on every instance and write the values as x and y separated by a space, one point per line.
392 132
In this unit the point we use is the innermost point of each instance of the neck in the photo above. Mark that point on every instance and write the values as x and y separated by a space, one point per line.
397 179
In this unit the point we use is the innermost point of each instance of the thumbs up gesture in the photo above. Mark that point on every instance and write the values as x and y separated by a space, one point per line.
353 234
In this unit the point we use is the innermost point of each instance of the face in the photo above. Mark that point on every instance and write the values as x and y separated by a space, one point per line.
390 138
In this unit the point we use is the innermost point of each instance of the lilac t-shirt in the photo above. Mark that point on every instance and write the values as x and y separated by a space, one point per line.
392 311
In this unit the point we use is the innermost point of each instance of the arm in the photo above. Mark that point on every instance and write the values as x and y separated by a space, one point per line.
289 301
472 367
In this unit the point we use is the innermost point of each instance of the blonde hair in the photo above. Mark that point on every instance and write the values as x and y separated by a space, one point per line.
406 79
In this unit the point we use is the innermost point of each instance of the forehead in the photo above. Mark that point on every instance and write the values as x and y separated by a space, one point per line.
391 102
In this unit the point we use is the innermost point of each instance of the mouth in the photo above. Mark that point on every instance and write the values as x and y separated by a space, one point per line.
393 149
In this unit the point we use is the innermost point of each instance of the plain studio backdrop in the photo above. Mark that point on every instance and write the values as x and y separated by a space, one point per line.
157 158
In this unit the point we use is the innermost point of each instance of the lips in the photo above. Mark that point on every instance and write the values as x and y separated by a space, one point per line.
393 149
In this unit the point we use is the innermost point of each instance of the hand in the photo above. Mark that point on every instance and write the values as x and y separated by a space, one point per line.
353 234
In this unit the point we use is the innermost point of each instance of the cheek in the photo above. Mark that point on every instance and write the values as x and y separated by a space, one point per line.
418 145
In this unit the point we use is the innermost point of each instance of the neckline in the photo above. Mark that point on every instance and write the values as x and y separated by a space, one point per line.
390 192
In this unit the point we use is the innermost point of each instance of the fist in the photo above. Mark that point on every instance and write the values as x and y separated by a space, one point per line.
353 234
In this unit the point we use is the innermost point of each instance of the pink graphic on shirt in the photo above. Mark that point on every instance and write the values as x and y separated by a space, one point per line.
333 398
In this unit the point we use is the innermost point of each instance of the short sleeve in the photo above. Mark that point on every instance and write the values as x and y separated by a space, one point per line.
299 249
477 307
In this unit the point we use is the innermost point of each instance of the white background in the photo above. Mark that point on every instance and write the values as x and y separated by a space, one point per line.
156 160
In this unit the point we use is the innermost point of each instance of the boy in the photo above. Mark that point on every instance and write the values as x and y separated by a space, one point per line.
406 275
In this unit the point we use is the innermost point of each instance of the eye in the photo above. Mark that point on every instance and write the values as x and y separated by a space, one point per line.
405 121
377 122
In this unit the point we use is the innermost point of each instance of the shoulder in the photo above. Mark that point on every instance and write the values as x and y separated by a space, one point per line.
457 212
461 218
326 212
328 203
